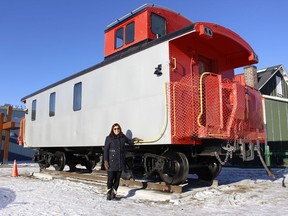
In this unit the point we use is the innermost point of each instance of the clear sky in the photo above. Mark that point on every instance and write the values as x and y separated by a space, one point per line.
43 41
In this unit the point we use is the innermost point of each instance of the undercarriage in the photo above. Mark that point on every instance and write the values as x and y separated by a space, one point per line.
168 163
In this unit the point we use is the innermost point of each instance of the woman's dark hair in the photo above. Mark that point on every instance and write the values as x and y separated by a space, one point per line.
112 134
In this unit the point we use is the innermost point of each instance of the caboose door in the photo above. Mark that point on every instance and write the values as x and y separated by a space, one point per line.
182 97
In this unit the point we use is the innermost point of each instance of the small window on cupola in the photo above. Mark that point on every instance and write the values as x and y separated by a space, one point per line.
158 25
119 39
130 33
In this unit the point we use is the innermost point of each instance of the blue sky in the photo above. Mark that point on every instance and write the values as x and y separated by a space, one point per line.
43 41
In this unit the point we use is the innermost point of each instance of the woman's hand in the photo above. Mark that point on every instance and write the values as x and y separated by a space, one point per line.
136 140
106 165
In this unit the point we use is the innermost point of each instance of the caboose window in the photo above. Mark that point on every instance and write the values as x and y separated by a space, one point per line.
33 115
77 97
52 104
119 39
129 33
158 25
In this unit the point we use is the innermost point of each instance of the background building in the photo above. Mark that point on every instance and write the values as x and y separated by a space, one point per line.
272 83
15 151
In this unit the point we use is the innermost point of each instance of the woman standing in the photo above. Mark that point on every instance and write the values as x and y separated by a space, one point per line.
114 158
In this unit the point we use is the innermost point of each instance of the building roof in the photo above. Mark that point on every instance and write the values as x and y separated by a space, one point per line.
264 75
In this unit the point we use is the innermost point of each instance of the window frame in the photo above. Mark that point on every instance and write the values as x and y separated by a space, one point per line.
132 34
52 104
77 96
33 110
279 88
118 41
152 24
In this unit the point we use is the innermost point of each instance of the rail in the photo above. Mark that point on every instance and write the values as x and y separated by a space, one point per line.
100 176
201 97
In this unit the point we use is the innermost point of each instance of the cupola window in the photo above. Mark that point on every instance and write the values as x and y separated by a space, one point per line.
158 25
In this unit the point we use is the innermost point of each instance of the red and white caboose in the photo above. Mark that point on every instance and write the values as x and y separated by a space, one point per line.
167 81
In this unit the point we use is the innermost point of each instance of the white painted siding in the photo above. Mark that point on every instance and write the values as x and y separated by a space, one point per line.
126 91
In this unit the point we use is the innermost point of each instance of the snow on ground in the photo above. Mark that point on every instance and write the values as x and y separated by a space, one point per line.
240 192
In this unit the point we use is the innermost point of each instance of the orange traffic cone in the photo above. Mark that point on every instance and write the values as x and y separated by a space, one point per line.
15 169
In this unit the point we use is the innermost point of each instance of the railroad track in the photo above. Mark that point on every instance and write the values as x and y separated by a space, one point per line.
100 176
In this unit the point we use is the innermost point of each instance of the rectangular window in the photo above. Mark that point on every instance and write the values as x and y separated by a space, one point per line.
279 90
204 64
158 25
77 96
52 104
33 114
130 33
119 38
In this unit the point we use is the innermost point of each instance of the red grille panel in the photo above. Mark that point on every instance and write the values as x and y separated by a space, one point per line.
208 107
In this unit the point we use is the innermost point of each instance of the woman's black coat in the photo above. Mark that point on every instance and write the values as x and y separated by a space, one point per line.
114 151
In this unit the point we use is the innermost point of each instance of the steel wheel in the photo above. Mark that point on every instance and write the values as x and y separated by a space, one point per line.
210 172
90 165
176 168
59 160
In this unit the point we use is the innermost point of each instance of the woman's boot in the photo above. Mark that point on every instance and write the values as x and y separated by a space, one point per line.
109 192
113 194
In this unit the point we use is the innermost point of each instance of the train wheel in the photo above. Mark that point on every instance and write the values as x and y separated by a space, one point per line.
90 165
210 172
175 169
60 160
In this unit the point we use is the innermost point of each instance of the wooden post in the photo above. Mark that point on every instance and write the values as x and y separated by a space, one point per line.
7 126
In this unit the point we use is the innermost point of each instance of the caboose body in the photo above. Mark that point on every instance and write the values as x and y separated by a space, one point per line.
167 81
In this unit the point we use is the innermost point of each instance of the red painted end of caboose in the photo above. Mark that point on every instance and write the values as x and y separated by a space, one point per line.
206 103
240 79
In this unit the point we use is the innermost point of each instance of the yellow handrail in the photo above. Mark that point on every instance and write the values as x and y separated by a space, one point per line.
201 98
174 63
174 111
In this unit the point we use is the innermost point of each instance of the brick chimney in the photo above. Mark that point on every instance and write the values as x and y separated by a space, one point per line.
250 76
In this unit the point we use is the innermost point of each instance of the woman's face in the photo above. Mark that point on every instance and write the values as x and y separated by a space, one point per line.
116 130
